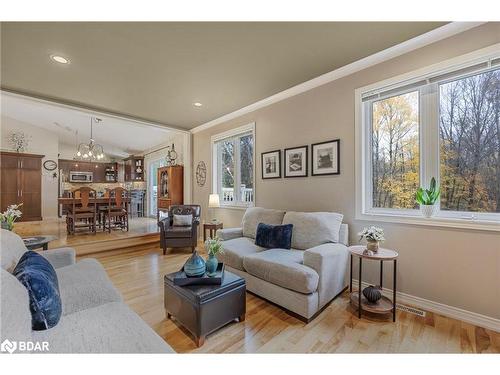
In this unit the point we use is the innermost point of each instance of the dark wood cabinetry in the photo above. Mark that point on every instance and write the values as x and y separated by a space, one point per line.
170 186
134 168
102 172
22 183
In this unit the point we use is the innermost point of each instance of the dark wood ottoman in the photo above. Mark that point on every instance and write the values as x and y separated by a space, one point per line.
202 309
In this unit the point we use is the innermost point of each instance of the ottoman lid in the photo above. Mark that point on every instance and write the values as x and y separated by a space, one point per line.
202 293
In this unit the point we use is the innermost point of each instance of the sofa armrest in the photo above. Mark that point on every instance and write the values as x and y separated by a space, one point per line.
229 233
344 234
61 257
330 261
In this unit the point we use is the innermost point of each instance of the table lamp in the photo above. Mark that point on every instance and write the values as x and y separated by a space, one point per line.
213 202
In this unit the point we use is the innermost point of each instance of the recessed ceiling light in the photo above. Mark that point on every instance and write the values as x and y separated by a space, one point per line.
197 104
59 59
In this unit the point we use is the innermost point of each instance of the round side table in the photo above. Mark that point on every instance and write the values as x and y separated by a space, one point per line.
384 305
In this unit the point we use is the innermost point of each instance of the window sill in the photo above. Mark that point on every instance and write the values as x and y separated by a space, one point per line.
436 221
235 206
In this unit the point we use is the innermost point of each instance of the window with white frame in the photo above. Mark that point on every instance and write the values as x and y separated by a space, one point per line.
444 124
233 164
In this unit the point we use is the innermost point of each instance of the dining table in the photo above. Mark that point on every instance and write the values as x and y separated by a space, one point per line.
99 202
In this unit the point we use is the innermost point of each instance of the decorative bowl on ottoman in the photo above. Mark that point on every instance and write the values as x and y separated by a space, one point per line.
372 294
195 265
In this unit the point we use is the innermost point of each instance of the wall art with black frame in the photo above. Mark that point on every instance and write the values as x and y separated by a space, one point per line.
295 160
325 158
271 164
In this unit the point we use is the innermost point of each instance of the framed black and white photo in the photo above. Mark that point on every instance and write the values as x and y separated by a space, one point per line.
296 161
325 159
271 164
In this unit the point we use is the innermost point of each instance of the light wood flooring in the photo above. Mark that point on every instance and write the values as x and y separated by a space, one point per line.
268 329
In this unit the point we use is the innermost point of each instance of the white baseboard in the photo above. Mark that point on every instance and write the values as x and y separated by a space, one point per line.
442 309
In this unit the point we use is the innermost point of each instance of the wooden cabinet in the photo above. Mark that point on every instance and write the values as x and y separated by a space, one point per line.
22 183
102 172
134 168
170 186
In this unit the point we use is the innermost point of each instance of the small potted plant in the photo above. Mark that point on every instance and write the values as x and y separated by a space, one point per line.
373 236
427 198
213 247
10 216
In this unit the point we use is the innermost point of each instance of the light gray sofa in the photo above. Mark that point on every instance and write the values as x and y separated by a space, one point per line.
94 319
303 279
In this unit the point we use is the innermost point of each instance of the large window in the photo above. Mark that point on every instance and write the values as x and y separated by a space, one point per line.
233 166
444 125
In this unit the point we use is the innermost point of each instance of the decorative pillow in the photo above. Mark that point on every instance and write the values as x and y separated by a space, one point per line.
274 236
183 220
40 279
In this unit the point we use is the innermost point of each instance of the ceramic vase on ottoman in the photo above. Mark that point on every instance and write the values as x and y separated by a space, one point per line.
195 265
213 247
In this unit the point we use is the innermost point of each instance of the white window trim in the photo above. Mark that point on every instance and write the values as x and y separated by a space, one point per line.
248 128
428 140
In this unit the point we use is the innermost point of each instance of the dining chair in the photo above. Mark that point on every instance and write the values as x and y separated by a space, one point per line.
82 210
116 212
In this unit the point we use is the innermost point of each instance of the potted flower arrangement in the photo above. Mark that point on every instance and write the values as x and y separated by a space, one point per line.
373 236
213 247
10 216
427 198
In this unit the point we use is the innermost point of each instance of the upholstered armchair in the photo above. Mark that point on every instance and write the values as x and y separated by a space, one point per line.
180 236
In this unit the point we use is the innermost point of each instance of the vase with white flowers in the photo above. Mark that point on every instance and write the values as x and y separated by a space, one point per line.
9 216
213 247
373 235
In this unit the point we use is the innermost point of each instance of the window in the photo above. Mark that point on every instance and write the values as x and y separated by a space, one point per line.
443 124
233 166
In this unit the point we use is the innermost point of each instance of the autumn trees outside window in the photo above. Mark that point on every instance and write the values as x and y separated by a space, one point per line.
442 125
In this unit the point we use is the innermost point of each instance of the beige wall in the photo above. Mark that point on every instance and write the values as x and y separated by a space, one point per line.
42 142
459 268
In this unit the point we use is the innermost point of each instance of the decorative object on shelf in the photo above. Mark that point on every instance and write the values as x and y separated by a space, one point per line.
427 198
9 216
372 294
90 151
296 162
201 174
171 156
271 164
325 159
49 165
19 141
195 265
214 202
373 236
213 247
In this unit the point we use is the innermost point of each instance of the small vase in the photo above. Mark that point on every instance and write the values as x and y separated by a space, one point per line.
195 265
6 225
372 245
211 264
427 210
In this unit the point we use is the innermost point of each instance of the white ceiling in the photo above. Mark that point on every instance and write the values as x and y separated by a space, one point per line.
119 137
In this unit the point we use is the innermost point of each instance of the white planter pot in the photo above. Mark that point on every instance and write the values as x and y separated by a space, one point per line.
427 210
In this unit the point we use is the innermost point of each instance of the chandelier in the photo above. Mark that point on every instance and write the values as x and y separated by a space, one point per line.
90 151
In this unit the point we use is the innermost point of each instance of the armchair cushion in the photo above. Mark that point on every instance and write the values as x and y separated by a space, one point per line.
182 220
178 232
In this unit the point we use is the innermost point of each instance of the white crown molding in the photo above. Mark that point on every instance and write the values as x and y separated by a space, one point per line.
420 41
440 308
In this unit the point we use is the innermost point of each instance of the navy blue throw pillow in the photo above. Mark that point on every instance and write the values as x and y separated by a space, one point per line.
274 236
40 279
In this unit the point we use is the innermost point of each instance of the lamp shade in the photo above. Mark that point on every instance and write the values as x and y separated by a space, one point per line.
213 201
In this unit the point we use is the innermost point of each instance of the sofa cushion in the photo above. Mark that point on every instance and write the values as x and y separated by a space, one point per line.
255 215
13 249
274 236
284 268
40 279
235 250
84 285
313 228
15 315
109 328
178 232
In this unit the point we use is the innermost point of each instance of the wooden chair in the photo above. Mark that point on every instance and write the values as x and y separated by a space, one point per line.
116 211
82 212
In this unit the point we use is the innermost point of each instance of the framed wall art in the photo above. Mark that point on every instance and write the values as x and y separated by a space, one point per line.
271 164
325 158
295 160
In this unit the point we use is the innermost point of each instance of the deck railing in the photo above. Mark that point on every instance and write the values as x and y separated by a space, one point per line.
245 193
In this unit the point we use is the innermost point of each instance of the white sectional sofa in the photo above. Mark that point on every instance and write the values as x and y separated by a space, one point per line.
303 279
94 318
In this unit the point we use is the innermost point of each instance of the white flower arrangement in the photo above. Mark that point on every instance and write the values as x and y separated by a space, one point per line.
213 246
372 234
11 214
19 140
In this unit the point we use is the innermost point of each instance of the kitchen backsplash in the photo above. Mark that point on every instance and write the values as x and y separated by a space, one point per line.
101 187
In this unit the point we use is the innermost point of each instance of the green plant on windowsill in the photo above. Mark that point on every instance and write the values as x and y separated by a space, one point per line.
427 198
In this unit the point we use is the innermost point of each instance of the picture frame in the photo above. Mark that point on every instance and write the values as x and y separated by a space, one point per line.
296 162
271 164
325 158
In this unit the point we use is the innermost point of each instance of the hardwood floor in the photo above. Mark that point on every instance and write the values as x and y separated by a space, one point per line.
139 275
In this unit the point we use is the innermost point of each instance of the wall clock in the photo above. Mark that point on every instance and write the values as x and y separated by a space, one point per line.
201 173
49 165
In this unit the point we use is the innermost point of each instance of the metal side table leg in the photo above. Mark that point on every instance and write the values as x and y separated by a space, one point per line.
360 287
